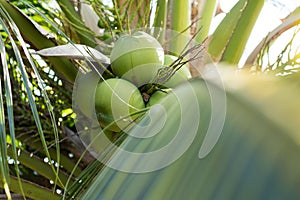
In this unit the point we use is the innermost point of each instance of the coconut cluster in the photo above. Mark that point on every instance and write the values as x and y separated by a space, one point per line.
135 61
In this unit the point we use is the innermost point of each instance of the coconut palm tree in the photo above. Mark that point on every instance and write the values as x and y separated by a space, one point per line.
234 136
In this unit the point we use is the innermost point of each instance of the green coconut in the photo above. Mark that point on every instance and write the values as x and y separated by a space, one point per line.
157 96
137 57
116 99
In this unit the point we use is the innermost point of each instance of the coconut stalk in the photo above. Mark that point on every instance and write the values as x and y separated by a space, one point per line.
206 12
229 39
160 19
244 27
135 13
180 22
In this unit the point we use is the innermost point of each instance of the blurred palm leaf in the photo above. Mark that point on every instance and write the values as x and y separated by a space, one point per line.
256 157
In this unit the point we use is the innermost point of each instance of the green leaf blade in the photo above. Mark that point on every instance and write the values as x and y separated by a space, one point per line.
229 39
256 156
62 66
240 36
3 151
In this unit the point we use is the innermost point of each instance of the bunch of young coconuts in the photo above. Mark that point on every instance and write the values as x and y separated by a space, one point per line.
135 60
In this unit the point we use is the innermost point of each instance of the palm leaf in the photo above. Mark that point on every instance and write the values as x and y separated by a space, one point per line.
9 26
3 151
32 190
75 51
38 165
63 67
84 33
27 85
10 115
229 39
256 157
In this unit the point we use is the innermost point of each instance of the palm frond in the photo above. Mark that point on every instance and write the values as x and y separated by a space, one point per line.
3 160
19 48
10 116
256 156
27 82
229 39
64 68
84 33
